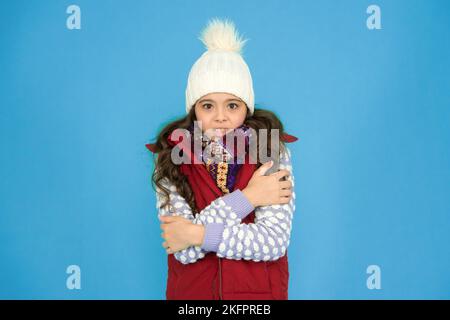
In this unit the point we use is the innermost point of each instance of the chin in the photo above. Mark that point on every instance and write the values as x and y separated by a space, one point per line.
218 132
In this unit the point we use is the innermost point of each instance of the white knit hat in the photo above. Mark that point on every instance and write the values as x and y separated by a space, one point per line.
221 68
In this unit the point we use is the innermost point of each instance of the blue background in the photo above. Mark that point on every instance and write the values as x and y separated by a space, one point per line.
372 166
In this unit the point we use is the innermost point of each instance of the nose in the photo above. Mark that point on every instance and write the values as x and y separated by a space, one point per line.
220 117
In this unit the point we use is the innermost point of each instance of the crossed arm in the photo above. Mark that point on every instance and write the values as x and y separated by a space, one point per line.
264 240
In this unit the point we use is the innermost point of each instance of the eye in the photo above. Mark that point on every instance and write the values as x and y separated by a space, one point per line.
233 104
207 106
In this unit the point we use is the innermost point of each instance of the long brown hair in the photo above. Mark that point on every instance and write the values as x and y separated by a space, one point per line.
166 169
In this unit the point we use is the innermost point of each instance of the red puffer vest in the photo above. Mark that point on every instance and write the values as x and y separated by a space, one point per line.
214 278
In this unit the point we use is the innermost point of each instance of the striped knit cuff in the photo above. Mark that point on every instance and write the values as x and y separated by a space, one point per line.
238 203
213 236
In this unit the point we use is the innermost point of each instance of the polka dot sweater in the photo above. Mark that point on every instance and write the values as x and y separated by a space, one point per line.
264 240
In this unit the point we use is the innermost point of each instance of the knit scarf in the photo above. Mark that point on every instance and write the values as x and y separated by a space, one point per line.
220 156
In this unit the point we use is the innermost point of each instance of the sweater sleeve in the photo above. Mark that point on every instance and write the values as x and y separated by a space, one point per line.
225 210
266 239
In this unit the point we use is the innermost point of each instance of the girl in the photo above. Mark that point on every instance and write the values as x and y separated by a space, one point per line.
226 223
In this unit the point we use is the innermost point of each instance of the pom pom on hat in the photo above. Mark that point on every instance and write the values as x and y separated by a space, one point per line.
221 68
222 35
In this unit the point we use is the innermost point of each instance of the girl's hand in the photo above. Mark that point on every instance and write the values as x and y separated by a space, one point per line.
264 190
180 233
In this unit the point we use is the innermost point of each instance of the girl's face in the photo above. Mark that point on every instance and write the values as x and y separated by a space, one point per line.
220 113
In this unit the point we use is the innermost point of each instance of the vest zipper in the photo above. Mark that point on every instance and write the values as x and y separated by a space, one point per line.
220 280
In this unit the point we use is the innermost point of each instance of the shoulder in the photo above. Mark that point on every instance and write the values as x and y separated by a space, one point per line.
169 187
285 153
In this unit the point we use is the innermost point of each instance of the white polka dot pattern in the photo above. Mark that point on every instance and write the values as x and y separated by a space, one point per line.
266 239
180 207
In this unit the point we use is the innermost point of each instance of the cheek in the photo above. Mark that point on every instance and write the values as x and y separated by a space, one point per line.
238 118
204 118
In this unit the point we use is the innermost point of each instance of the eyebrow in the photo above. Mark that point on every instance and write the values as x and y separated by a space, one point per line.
209 100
